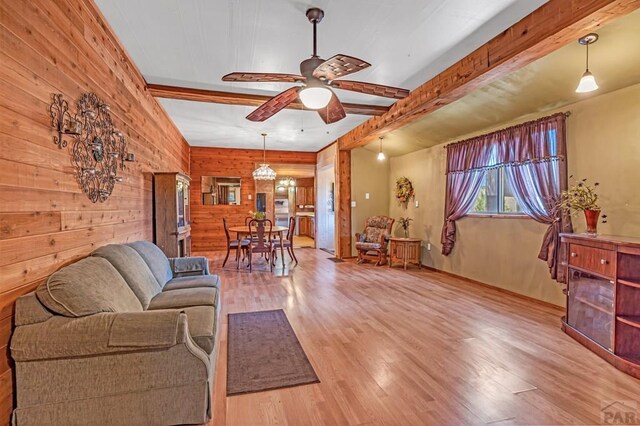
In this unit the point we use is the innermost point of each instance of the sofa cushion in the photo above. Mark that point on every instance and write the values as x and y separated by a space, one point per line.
185 297
133 269
202 326
155 259
193 282
87 287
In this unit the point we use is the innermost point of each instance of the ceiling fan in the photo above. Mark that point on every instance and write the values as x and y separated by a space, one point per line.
318 76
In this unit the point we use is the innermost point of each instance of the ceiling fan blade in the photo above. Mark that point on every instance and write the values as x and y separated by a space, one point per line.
256 77
333 111
339 66
274 105
371 88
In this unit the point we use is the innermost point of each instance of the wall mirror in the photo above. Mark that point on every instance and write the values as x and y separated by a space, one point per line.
221 190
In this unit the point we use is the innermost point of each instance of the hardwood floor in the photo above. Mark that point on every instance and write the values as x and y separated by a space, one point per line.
416 347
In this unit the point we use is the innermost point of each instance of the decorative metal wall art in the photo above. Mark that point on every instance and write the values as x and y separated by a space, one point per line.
62 120
98 150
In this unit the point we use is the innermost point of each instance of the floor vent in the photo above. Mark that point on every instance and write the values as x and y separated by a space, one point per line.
335 260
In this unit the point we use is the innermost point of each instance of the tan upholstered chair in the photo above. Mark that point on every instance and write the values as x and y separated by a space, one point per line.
372 243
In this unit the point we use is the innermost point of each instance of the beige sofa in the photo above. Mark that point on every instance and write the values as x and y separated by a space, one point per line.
124 336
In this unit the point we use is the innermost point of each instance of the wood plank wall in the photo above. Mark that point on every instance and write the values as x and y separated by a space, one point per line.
46 221
207 232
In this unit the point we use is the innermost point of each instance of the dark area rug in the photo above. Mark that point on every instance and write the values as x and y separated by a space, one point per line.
263 353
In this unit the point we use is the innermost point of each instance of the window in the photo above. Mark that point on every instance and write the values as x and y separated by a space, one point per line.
496 195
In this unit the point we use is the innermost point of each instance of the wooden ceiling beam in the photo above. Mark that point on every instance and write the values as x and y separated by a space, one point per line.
545 30
231 98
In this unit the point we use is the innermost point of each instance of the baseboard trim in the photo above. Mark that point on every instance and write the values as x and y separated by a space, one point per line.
500 289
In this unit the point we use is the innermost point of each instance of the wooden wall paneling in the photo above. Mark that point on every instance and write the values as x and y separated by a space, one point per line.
207 233
343 204
6 399
46 221
553 25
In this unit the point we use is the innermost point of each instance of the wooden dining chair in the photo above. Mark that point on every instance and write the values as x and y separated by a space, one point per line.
247 220
260 241
287 244
239 245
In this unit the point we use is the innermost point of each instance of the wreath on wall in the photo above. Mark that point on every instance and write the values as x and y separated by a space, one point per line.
404 190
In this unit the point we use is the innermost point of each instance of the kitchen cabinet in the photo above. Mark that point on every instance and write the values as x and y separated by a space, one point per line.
305 195
307 226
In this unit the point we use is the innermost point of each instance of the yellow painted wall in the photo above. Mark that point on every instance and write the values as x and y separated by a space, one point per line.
603 137
368 175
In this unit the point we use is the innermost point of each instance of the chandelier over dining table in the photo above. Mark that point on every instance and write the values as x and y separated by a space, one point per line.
264 172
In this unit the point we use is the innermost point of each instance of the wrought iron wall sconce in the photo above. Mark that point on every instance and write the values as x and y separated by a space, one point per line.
62 120
98 150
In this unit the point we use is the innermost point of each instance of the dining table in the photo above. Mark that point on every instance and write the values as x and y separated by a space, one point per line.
243 230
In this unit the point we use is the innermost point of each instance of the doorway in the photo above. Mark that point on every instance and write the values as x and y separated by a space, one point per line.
325 209
294 197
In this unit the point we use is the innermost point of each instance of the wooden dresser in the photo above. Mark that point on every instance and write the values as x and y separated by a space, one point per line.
172 218
603 297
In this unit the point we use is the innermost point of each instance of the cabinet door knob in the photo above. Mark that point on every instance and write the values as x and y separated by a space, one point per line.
574 254
604 261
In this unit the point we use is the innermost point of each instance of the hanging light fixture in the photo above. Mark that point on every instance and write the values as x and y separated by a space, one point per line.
381 155
315 96
264 172
588 81
287 181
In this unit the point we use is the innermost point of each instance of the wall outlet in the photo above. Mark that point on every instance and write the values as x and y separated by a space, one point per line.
428 246
417 204
366 195
353 204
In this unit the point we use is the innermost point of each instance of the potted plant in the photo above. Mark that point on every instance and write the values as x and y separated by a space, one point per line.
404 223
582 196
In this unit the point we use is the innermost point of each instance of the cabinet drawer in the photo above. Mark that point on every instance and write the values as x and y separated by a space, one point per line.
599 261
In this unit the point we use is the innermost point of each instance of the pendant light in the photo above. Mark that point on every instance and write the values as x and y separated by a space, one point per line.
588 81
381 156
264 172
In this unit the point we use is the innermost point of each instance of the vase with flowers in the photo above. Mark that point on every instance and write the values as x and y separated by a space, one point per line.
582 196
404 223
257 215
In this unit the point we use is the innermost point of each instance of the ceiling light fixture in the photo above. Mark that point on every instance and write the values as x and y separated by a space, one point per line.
287 181
315 96
381 156
588 81
264 172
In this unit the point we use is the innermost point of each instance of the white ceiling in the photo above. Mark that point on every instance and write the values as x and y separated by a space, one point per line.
193 43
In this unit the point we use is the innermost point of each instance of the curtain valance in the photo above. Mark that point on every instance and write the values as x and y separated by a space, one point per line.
530 142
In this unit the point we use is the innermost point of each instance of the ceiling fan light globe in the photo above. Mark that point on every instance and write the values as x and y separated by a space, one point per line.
587 83
315 97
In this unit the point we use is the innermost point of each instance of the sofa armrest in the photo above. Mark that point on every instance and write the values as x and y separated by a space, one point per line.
104 333
185 266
